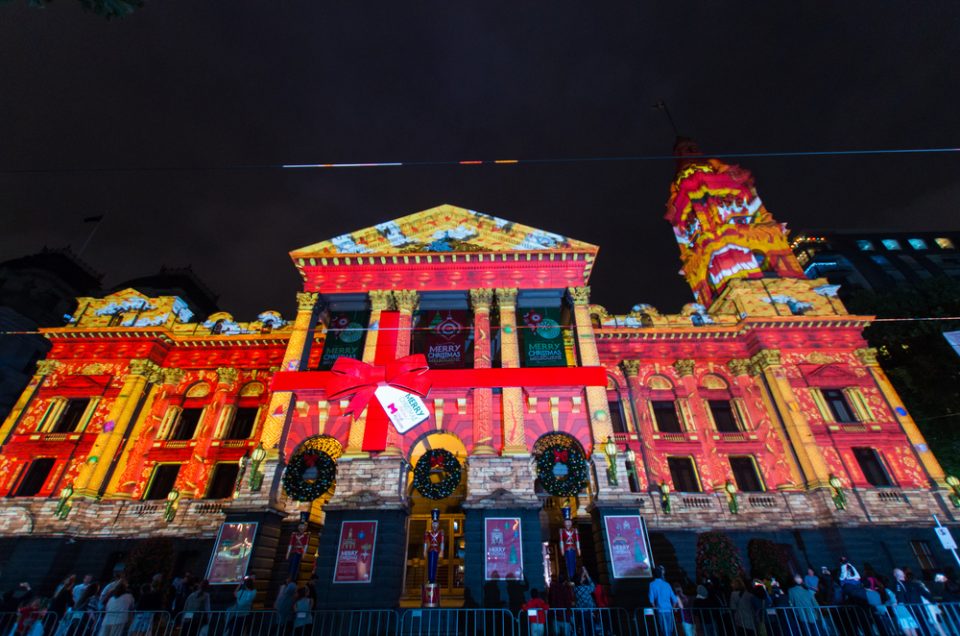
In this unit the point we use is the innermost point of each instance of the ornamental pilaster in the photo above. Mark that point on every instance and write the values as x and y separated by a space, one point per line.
739 366
406 300
598 408
381 300
481 299
765 359
867 356
480 302
171 377
507 296
631 368
514 433
685 367
143 367
306 301
579 295
47 367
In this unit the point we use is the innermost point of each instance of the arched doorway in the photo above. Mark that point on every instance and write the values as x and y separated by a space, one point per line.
450 569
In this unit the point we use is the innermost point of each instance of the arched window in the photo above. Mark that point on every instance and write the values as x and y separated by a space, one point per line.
664 408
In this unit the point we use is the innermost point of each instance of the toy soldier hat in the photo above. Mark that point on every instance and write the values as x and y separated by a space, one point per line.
566 513
435 514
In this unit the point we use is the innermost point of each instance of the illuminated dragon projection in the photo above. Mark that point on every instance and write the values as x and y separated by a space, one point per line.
723 228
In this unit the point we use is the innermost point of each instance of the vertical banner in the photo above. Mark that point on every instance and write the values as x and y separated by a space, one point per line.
447 338
542 338
354 564
629 547
344 338
503 549
231 553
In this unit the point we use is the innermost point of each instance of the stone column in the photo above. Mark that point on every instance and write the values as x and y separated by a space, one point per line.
480 300
380 301
294 358
767 364
44 368
631 370
514 436
868 357
589 357
93 473
405 301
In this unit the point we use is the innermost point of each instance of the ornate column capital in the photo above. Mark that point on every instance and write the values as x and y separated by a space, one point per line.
306 301
739 366
227 375
766 358
867 356
46 367
381 299
631 368
143 367
507 296
171 376
684 367
406 299
481 299
579 295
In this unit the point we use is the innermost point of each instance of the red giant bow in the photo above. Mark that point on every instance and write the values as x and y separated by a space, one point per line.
361 379
560 456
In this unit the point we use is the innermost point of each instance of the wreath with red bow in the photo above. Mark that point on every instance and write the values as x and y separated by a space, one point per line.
562 470
435 463
309 475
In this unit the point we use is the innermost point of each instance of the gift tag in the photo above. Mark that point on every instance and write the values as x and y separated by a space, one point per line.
405 410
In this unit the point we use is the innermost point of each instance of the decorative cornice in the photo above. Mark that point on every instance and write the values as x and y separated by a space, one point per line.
507 296
766 358
406 299
227 375
306 301
739 366
579 295
631 368
684 367
381 299
46 367
867 356
481 299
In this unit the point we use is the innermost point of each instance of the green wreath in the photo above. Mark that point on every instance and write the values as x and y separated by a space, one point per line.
310 474
433 462
562 470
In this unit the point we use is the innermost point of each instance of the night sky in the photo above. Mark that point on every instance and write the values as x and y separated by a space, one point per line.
185 97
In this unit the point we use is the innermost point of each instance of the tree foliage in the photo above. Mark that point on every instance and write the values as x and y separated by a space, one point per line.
768 558
718 557
107 8
148 557
922 366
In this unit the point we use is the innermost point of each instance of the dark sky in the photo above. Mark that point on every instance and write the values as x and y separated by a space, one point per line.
192 88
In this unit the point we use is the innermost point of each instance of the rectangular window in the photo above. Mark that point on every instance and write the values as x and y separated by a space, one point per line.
917 243
35 477
445 337
746 475
665 415
872 466
242 425
162 481
345 336
722 412
865 246
891 244
617 421
541 337
921 550
222 481
944 243
186 426
71 416
683 472
837 403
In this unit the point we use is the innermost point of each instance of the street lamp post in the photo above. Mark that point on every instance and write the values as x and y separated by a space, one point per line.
954 484
171 510
63 506
242 464
665 497
632 470
731 490
839 497
610 450
256 458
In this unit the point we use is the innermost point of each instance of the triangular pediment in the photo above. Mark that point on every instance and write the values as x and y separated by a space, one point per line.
445 228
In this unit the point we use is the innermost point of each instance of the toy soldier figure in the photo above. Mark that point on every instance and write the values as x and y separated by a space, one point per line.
569 545
298 545
433 545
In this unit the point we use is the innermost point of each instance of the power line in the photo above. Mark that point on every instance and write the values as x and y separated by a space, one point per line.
481 162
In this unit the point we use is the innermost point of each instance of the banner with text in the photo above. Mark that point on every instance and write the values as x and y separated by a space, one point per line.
344 337
447 338
542 338
354 564
503 549
628 546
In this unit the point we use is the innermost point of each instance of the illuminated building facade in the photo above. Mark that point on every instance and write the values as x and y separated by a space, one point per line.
759 410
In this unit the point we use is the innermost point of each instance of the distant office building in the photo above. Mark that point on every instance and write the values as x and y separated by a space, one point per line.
876 261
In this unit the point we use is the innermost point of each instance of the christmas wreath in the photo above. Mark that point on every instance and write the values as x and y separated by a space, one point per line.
562 470
434 462
310 473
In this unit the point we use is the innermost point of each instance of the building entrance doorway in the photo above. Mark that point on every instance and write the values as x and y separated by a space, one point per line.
450 567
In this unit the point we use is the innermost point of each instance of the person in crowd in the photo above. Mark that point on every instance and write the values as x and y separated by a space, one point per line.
117 610
848 573
536 612
63 595
148 605
906 595
706 611
561 599
828 592
584 590
811 580
240 611
686 611
180 589
20 595
745 607
806 609
80 587
30 618
663 600
286 597
196 609
302 616
873 589
934 615
107 592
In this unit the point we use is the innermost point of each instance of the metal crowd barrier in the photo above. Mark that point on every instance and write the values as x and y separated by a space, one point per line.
227 623
453 622
35 624
132 623
594 621
342 623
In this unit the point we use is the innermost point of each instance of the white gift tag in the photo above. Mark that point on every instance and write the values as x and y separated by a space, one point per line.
405 410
